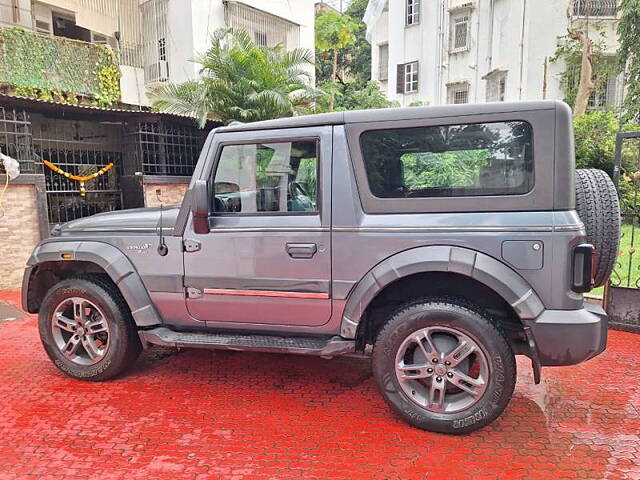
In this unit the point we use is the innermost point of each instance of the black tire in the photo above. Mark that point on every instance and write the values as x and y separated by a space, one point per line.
468 320
124 343
599 209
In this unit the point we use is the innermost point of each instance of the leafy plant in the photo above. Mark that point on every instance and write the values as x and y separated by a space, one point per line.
241 81
56 68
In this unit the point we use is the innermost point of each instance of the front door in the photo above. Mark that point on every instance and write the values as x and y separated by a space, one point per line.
267 258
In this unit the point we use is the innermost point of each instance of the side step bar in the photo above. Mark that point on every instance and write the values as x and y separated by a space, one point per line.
318 346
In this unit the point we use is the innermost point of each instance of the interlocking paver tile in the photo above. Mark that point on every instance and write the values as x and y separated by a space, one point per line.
205 415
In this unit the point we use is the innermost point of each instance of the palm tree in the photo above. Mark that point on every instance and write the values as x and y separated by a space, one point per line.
241 81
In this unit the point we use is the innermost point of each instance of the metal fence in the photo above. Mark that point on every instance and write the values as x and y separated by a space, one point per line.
623 294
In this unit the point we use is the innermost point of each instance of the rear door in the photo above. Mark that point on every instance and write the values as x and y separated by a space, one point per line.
267 258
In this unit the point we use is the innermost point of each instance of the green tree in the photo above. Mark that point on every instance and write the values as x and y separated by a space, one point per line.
629 55
334 32
241 81
359 54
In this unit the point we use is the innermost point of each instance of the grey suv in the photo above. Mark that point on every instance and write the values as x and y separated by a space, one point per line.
441 241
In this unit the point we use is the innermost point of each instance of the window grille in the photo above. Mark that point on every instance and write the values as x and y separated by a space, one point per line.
496 87
264 28
595 8
411 77
458 93
460 33
164 148
383 61
155 31
16 138
413 12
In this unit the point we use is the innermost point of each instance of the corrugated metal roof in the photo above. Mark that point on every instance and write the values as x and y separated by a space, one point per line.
47 105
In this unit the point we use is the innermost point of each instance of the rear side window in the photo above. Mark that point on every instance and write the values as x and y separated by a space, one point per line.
449 161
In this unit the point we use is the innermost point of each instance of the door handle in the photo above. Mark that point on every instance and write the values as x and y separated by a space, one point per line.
301 250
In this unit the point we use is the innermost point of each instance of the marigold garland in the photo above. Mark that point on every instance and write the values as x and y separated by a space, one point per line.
79 178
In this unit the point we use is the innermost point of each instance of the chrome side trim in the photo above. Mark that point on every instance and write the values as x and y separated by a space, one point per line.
265 293
541 228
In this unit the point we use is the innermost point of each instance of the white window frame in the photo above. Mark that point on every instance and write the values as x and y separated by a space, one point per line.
412 12
383 63
456 20
454 89
411 77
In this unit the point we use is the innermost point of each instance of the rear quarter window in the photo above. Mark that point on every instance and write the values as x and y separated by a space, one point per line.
478 159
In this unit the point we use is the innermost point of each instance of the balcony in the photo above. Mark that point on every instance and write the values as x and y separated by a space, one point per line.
595 8
57 68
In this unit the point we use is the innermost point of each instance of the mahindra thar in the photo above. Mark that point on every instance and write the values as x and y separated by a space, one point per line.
439 241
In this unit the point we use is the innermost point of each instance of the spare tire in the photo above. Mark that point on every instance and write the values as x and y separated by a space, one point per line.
598 207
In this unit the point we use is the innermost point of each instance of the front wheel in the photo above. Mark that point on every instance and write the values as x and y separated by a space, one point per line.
86 329
443 366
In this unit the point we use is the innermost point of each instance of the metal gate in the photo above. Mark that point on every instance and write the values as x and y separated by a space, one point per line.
622 295
79 148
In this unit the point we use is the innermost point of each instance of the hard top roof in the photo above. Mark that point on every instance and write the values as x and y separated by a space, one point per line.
390 114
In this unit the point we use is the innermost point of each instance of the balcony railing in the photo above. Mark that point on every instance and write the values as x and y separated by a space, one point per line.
41 65
595 8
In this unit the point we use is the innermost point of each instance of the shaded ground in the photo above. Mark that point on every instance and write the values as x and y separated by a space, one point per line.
199 414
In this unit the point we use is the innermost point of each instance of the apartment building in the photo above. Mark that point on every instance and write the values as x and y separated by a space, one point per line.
435 52
157 39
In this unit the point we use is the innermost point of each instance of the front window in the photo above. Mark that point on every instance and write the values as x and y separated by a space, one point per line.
413 12
460 33
411 77
449 161
496 87
383 60
458 93
267 178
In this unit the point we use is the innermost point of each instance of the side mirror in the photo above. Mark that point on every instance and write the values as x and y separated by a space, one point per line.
200 206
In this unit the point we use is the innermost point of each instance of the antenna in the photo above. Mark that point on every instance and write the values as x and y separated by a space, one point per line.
162 247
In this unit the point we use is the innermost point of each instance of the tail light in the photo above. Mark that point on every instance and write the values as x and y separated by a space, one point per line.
583 267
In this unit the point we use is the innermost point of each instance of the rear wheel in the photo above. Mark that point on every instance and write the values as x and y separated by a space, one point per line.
86 329
443 366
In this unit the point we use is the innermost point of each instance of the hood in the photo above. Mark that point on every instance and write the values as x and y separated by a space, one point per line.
143 220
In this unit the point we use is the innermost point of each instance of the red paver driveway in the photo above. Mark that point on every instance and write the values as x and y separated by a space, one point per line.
199 414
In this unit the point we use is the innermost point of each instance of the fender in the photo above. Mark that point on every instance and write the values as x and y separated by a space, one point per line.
439 258
113 262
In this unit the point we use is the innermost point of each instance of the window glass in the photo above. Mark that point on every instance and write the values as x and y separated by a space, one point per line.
413 12
449 161
267 177
411 77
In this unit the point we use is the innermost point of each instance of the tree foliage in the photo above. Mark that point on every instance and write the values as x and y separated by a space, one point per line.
629 55
241 81
350 87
